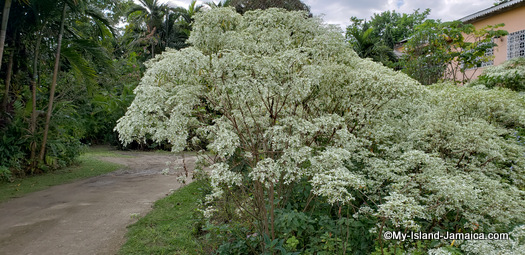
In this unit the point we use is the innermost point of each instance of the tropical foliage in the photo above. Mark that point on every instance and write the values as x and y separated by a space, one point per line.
317 151
154 26
445 50
377 38
68 74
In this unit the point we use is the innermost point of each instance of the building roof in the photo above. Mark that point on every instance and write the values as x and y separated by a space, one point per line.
492 11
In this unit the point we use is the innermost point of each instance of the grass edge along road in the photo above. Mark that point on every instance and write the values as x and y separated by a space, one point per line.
89 165
168 227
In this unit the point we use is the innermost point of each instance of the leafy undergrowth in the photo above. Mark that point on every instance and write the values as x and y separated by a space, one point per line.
89 165
167 229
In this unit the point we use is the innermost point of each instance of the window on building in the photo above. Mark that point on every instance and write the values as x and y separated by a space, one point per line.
516 44
488 53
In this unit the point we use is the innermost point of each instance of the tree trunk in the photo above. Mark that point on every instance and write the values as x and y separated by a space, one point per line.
53 85
34 79
5 18
8 81
152 49
167 30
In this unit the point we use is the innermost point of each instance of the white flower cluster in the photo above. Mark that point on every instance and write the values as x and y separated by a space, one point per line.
402 211
221 174
515 245
165 99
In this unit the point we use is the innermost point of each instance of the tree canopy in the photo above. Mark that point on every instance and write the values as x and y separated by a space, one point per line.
376 38
445 50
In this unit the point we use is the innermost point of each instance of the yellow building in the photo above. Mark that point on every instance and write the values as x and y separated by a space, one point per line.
512 14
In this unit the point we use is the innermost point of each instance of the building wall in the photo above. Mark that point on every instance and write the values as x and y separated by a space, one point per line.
514 21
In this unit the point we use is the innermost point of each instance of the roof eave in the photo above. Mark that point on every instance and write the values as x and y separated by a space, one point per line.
483 14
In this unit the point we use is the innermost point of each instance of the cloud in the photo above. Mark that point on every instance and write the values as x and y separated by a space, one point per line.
446 10
339 11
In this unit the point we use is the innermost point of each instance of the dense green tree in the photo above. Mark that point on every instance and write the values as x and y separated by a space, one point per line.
149 15
391 27
445 50
155 26
361 36
53 62
53 82
376 38
77 62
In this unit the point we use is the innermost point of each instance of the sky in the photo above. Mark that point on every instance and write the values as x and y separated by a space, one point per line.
339 11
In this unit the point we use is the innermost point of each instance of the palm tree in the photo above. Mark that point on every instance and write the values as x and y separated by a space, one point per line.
53 83
186 16
193 8
151 13
173 33
76 6
157 26
363 43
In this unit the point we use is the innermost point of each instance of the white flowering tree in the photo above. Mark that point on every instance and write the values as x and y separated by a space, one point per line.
283 102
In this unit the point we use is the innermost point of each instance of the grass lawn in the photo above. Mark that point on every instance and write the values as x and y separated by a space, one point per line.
89 166
167 229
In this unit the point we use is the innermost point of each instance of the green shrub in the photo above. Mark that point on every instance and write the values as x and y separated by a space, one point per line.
510 74
5 174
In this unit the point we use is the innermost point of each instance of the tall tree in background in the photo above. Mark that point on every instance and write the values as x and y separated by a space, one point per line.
76 7
155 26
149 14
184 22
3 30
391 27
53 83
364 42
376 38
52 97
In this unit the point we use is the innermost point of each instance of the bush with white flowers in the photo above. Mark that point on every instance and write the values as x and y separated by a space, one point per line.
288 108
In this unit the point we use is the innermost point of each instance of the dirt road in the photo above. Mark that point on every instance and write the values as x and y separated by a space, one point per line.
88 216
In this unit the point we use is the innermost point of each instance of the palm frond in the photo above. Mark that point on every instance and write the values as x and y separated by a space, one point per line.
100 19
79 65
136 8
